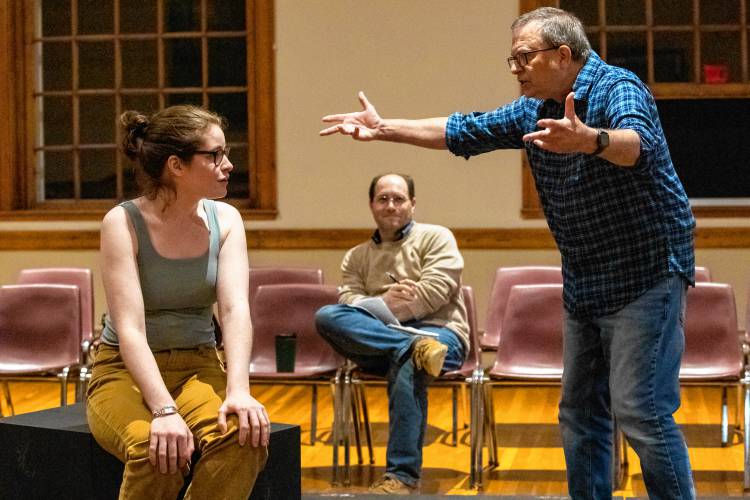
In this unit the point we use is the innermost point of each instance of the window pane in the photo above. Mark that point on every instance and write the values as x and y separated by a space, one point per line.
629 51
234 108
626 12
139 64
183 62
97 70
227 62
97 119
673 57
673 12
719 57
138 17
720 12
226 15
146 104
586 10
57 169
173 99
98 174
56 70
238 178
95 17
57 114
55 17
182 15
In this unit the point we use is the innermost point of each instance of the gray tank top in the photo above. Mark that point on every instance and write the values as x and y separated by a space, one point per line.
178 294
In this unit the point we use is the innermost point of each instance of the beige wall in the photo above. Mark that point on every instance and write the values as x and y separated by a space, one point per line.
413 58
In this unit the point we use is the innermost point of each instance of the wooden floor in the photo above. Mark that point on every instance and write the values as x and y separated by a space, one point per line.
531 460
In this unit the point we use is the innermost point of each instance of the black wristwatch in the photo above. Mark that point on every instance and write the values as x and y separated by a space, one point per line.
602 141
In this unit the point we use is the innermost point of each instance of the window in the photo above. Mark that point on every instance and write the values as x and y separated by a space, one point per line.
693 54
87 61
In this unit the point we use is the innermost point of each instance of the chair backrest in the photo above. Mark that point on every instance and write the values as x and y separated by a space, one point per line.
702 274
505 279
475 353
279 275
712 347
291 308
40 327
531 346
80 277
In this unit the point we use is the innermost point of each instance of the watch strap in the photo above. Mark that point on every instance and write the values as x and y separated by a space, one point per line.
164 411
602 141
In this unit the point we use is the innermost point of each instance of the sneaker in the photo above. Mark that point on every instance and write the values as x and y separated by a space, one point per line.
428 355
390 486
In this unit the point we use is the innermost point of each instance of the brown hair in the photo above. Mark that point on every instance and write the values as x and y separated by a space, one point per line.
150 141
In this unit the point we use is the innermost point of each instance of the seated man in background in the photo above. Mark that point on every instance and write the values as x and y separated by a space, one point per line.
416 270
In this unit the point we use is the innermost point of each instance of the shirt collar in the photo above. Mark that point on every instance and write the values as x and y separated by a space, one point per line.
581 88
400 234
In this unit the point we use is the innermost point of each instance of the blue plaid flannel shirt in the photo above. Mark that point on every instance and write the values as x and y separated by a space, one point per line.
619 230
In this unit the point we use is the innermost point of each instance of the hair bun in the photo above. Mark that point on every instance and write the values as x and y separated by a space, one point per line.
135 126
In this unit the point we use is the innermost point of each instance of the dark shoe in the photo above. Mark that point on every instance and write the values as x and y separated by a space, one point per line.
428 355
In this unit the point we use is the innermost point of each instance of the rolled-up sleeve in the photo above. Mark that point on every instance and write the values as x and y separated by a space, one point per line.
630 106
475 133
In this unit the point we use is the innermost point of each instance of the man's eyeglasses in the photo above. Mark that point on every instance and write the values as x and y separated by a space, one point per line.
218 155
522 58
385 199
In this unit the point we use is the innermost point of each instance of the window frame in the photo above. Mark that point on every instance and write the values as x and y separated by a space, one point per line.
18 120
531 207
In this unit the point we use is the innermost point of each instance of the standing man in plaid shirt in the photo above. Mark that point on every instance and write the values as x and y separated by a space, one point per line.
623 224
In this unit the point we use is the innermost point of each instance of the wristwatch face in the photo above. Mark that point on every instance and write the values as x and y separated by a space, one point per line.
602 139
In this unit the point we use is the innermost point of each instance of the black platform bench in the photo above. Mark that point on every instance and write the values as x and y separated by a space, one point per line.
51 455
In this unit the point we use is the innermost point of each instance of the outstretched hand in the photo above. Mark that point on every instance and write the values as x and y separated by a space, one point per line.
566 135
360 125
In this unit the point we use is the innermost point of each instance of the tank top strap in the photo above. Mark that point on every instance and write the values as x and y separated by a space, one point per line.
141 231
214 239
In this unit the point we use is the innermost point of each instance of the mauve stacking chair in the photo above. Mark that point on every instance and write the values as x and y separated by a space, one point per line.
40 332
83 279
713 353
505 279
285 309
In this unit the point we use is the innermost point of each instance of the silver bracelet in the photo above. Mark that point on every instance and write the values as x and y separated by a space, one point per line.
163 412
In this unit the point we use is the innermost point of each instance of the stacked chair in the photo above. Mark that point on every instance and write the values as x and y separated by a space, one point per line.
290 308
40 335
81 278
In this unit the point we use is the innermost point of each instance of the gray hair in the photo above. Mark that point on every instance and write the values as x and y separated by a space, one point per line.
558 27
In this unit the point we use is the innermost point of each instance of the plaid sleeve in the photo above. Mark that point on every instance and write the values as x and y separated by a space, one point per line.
476 133
631 106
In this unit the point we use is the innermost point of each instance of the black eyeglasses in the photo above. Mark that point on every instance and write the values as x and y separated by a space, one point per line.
522 58
218 155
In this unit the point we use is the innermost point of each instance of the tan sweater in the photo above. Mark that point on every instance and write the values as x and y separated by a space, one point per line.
429 256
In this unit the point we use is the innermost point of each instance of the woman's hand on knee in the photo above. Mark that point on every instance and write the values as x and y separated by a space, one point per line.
171 444
251 416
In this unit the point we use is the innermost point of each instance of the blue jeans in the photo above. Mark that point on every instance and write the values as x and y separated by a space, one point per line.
627 364
382 351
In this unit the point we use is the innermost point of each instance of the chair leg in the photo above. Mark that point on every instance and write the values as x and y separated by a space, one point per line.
476 429
724 418
63 376
8 399
454 428
356 420
314 415
347 394
465 407
491 424
337 386
359 387
746 406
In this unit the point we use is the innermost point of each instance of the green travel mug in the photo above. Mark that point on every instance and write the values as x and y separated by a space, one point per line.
286 350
